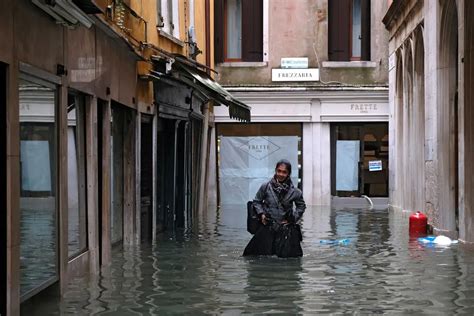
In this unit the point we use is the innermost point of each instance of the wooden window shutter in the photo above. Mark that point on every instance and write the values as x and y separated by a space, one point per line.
365 31
339 29
252 30
219 31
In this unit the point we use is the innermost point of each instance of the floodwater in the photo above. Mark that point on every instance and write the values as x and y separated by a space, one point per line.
380 270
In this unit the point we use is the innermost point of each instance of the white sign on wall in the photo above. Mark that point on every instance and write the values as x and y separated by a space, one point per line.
375 165
294 62
391 61
310 74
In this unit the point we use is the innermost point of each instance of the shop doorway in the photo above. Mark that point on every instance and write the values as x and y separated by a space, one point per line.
122 142
174 174
166 174
247 154
103 176
146 178
76 153
38 185
3 189
359 159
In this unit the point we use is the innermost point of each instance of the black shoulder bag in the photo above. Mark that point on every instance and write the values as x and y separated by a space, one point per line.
253 220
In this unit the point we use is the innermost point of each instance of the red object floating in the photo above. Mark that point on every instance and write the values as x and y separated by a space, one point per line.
418 223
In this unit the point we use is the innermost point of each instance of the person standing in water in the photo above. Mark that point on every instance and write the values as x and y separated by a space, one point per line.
279 206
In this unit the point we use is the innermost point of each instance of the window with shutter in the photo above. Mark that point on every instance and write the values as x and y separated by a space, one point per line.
233 27
219 31
349 30
365 29
238 30
168 17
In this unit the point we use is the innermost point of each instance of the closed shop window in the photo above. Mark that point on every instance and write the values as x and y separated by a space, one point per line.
247 155
359 159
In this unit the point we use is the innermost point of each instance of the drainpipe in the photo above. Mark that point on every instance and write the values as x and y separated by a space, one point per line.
205 110
208 35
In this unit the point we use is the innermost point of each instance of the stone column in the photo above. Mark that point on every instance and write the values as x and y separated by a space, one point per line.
431 111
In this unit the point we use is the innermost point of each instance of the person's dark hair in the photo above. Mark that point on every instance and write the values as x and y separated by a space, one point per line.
286 163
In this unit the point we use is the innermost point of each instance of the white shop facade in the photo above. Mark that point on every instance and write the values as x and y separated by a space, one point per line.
336 137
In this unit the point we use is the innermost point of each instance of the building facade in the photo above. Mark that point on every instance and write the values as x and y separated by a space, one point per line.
315 74
106 105
430 100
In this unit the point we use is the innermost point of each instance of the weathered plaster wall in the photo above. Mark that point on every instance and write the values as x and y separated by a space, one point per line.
300 29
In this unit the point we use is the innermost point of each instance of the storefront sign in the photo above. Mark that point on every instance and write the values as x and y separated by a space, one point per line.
332 111
294 62
311 74
259 147
391 61
375 165
364 107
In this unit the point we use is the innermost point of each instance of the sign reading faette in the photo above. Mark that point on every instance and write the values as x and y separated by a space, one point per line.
310 74
364 107
259 147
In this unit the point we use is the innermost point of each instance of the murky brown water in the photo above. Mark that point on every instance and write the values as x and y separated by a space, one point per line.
379 271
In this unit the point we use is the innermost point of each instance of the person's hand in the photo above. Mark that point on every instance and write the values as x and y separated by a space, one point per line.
263 218
284 222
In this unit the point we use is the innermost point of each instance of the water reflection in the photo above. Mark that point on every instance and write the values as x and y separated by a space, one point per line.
273 285
38 233
202 272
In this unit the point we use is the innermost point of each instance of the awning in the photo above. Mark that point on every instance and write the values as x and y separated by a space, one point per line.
88 6
184 71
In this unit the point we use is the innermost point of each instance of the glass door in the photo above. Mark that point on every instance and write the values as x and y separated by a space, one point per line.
38 195
359 159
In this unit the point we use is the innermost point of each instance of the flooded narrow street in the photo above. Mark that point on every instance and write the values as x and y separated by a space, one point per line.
379 270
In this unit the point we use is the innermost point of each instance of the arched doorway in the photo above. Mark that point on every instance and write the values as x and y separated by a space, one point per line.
399 132
419 121
448 165
408 128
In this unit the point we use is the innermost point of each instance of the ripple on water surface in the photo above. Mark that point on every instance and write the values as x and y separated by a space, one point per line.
380 270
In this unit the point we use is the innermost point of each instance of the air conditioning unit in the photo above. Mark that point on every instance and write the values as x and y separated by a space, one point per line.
65 12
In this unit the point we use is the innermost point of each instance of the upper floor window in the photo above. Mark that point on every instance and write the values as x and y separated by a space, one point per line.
349 30
168 16
238 30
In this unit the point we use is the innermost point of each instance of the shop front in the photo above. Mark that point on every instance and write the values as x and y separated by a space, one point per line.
359 159
359 146
183 91
246 157
341 150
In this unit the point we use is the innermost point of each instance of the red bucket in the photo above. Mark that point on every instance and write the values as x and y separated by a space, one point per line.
418 223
